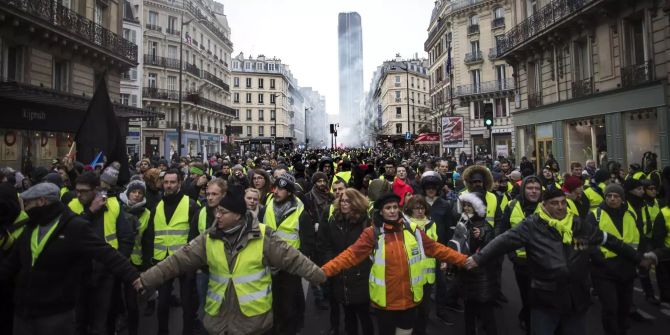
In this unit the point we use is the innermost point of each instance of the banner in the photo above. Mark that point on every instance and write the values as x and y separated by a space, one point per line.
452 132
428 138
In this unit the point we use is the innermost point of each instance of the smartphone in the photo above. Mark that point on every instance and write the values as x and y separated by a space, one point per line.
103 194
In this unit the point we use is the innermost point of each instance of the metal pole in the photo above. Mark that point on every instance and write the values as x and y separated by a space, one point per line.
181 67
407 84
274 138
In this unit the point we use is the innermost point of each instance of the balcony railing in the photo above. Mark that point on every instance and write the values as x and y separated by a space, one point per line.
160 94
200 101
192 69
582 88
493 53
213 28
214 80
173 31
154 60
473 57
547 16
72 23
498 23
154 27
473 29
485 87
634 75
534 100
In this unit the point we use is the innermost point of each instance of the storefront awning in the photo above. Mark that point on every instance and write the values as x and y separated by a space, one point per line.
38 108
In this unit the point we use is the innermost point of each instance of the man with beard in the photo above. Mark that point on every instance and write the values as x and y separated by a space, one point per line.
524 205
225 170
389 170
169 230
501 188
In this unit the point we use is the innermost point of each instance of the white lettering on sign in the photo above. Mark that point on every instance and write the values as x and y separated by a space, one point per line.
32 115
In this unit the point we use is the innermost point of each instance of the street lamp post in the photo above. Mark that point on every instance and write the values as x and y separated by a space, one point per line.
274 137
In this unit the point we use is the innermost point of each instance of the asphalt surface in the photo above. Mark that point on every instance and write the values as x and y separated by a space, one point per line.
317 320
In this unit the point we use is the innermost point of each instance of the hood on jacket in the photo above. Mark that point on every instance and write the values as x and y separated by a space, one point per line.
123 197
476 203
522 190
488 178
400 188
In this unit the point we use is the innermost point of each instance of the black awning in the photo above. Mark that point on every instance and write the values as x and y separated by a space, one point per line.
32 107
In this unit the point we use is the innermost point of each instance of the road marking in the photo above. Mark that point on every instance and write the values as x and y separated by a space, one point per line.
646 315
666 312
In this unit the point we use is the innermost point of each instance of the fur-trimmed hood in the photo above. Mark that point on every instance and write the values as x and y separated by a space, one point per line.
488 178
476 203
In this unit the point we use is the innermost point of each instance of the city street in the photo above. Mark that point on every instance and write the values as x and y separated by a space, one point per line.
317 321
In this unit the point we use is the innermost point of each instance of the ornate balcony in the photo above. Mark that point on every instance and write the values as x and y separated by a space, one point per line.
473 57
165 62
582 88
498 23
211 26
197 99
159 94
493 54
154 27
68 25
637 74
493 88
473 29
534 100
192 69
215 80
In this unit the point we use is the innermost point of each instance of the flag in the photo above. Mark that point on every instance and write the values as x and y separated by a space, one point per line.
99 131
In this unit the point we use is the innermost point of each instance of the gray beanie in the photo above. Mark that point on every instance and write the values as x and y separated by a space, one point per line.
110 176
47 190
137 185
615 188
286 181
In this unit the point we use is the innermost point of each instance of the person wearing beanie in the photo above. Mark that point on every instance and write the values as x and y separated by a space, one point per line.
558 248
612 274
254 248
578 203
50 262
109 177
286 214
394 297
595 191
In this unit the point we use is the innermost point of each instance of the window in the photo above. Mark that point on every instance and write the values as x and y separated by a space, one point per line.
475 79
473 20
247 65
412 81
635 41
581 60
248 80
153 80
236 82
130 35
249 131
260 82
172 25
125 99
153 50
259 66
500 107
474 47
99 14
172 83
398 112
501 76
261 131
236 97
236 65
261 115
271 67
248 98
153 19
273 131
273 99
248 114
172 52
272 84
397 96
237 114
273 115
61 75
498 13
534 79
398 128
133 100
397 81
260 98
478 110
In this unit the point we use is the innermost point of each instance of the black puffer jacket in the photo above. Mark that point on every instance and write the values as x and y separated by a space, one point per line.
478 284
559 273
350 286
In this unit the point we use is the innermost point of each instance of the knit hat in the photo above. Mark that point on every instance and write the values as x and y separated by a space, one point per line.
47 190
385 199
238 167
39 173
377 188
234 202
601 175
514 175
319 175
286 181
110 175
572 183
615 188
137 185
631 184
552 192
54 178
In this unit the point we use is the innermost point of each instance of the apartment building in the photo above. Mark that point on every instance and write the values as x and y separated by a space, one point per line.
52 55
468 76
186 58
131 80
591 78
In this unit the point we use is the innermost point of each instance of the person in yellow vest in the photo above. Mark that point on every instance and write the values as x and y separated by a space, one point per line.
397 277
239 253
105 213
286 215
170 228
11 227
612 274
661 240
501 188
594 191
134 204
48 263
578 203
524 205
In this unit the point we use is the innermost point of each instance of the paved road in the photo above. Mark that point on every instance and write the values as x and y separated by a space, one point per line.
317 321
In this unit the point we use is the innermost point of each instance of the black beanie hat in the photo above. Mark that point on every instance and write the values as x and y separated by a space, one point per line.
234 202
631 184
552 192
385 199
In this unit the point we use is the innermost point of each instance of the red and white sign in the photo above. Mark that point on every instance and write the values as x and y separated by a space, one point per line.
428 138
452 132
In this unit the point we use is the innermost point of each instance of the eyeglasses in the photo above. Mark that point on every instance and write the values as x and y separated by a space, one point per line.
345 201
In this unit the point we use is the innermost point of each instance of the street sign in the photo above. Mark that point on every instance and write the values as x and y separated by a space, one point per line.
408 136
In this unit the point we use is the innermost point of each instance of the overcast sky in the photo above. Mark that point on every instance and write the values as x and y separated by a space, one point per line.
303 33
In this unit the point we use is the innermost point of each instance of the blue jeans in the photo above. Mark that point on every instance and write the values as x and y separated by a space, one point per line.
201 280
543 322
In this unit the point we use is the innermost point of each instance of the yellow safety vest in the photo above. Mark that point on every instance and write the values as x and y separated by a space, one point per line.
109 218
289 229
202 220
639 175
36 246
504 202
251 279
63 190
630 235
666 215
170 237
649 214
415 255
572 207
331 210
595 199
15 231
430 263
136 255
516 216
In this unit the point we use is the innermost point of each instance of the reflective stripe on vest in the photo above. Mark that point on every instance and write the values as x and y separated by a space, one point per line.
595 199
136 255
516 216
110 217
413 252
288 229
666 215
630 236
170 237
202 220
252 281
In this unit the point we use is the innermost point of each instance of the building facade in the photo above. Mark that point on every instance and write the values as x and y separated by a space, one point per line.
350 50
265 99
591 80
467 75
199 76
131 80
52 55
399 96
316 121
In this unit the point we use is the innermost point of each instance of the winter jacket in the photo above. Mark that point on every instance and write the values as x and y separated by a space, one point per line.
52 284
478 284
335 235
124 229
559 273
442 213
230 320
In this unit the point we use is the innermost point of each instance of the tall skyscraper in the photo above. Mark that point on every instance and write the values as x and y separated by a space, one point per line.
351 68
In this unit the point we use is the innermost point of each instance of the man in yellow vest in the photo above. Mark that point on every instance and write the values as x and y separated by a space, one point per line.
105 213
286 214
170 228
594 191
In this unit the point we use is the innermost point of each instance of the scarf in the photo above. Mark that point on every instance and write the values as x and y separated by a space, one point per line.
421 223
564 226
320 198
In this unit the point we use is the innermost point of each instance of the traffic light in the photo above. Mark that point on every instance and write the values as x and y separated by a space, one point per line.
488 116
332 128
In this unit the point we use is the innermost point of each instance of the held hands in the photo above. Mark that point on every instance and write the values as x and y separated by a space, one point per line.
648 260
470 263
137 285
